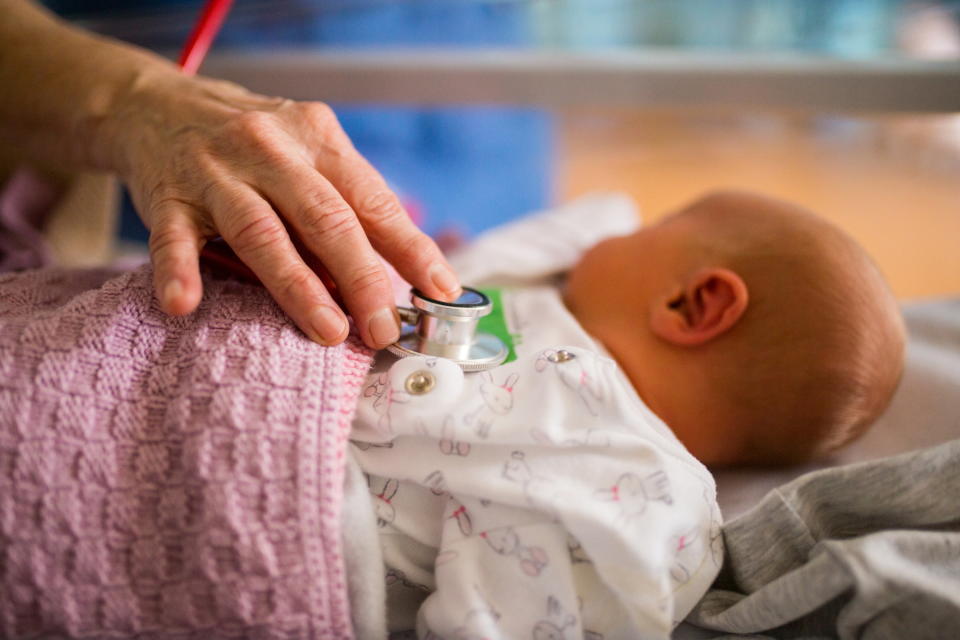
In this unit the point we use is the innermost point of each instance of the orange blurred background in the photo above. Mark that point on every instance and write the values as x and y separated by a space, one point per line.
893 182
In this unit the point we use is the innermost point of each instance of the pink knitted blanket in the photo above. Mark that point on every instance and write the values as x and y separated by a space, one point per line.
168 477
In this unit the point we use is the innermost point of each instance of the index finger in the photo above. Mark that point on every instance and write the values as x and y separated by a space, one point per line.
388 226
253 230
329 228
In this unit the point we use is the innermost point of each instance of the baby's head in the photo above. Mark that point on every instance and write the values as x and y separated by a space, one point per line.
759 332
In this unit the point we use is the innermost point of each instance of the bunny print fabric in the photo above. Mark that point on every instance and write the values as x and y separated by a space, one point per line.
541 499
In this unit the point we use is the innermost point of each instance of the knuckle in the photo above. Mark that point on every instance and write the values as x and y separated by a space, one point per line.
159 199
325 126
209 193
327 219
167 203
292 284
258 233
258 131
253 124
367 278
382 208
417 249
163 239
319 112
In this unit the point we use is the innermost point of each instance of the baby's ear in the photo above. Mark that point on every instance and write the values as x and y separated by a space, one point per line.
708 304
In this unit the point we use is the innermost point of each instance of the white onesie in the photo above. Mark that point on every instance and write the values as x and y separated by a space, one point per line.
538 500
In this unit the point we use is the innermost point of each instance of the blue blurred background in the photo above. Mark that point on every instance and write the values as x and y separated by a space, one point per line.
462 168
474 167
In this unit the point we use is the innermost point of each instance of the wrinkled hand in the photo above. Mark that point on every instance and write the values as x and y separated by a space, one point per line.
204 158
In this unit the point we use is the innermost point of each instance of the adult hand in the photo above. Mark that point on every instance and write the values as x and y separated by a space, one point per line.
204 158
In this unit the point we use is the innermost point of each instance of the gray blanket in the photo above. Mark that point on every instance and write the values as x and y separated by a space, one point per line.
870 550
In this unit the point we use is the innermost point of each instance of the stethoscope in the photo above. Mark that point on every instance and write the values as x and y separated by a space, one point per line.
449 330
434 328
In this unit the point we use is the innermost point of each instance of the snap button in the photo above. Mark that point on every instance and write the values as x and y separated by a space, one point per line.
422 386
420 382
561 355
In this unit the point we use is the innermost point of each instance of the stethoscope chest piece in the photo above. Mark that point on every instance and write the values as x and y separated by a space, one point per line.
449 330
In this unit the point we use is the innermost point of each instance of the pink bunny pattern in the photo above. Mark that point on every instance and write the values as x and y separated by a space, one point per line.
384 397
449 446
497 400
688 552
460 514
436 483
494 424
382 500
506 542
554 626
631 493
578 372
541 493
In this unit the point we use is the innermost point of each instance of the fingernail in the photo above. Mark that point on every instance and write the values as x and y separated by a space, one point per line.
171 292
443 279
328 323
384 327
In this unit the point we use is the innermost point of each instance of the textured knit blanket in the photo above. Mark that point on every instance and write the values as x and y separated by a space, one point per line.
168 477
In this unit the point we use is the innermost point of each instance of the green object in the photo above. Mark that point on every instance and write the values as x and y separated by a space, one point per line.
496 323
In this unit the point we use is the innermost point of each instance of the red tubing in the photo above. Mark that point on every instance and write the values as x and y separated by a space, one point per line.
204 32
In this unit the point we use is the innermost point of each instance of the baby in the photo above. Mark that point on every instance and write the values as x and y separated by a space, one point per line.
759 332
552 497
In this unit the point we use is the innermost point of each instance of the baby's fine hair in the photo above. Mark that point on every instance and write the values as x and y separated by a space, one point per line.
819 351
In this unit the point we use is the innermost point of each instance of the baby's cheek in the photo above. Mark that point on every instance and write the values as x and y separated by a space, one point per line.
708 445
